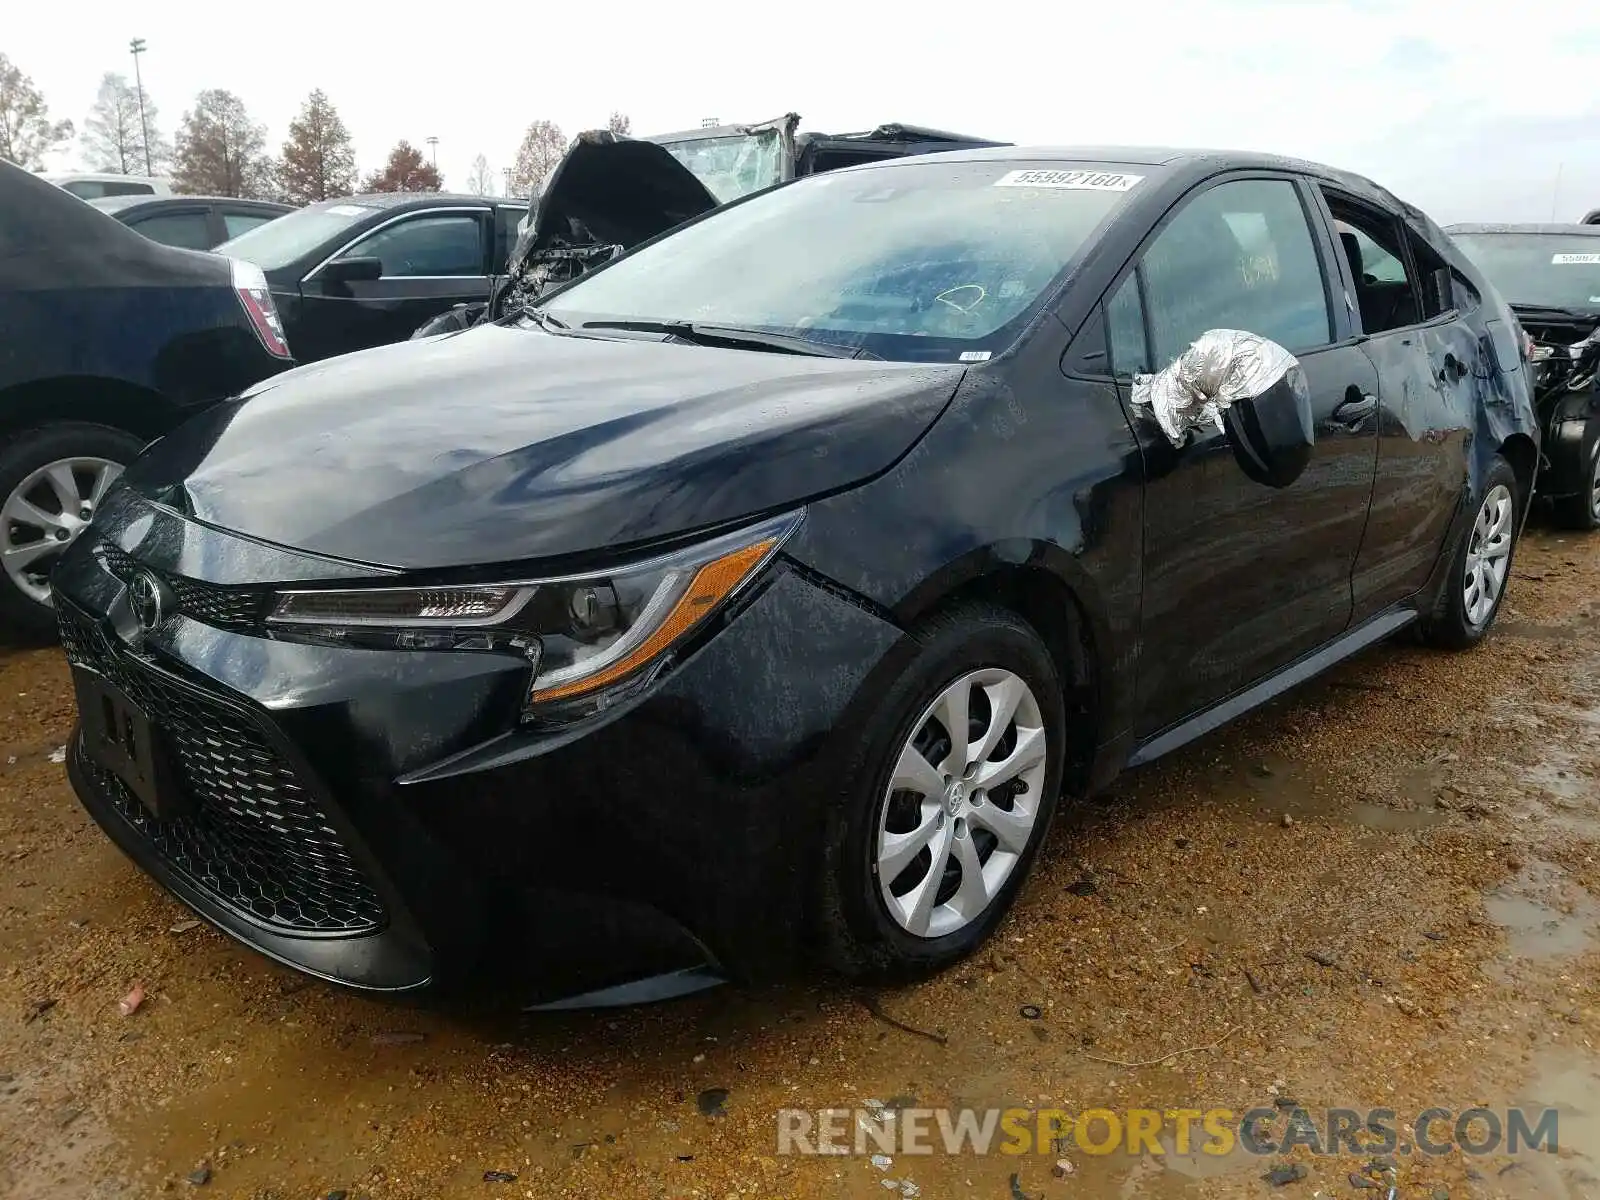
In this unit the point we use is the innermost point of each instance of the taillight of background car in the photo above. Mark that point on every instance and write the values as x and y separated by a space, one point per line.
251 286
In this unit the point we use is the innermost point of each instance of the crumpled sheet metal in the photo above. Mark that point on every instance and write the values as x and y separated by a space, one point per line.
1220 368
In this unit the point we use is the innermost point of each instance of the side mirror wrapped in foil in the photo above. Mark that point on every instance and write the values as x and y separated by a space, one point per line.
1245 386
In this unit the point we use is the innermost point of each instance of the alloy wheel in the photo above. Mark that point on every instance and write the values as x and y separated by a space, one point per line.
962 804
1594 485
1488 556
44 515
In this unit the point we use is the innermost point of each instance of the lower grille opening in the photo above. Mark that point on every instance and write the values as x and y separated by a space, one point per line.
257 842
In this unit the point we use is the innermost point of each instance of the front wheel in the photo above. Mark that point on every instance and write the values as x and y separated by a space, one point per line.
948 800
51 481
1471 597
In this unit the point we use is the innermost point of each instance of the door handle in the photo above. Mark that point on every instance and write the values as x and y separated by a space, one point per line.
1355 410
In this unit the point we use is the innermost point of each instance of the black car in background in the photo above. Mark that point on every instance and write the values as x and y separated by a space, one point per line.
1551 276
107 340
193 222
775 608
609 192
363 271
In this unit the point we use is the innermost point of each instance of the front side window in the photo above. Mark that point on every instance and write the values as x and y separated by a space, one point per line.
914 261
191 230
1238 256
296 235
445 245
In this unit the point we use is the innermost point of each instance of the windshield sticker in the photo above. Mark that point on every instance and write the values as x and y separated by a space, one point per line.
346 210
1566 260
1078 181
975 356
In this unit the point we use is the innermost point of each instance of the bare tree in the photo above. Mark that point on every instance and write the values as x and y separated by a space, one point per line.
26 132
319 159
406 171
480 182
113 136
541 149
220 150
620 123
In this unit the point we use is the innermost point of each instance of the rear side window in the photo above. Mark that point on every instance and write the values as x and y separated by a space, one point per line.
445 245
237 222
191 230
1237 256
1387 296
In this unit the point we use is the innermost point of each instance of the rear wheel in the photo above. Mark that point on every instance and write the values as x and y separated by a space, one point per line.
950 797
1582 510
1471 598
51 481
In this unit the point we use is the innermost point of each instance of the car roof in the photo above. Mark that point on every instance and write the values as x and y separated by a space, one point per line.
1525 227
393 200
103 177
1170 159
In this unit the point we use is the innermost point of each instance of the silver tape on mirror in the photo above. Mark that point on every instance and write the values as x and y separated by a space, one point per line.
1220 368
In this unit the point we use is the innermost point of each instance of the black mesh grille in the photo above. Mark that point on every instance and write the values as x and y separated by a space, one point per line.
240 609
256 841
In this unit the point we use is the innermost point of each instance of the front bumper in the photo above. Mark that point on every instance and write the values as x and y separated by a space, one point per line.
381 820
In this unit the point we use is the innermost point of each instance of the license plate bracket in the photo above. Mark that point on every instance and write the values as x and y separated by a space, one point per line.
118 736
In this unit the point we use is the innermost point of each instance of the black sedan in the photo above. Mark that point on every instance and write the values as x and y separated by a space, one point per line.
107 340
778 606
193 222
1551 275
364 271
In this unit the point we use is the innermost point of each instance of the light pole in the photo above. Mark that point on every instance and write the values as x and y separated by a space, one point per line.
433 150
136 48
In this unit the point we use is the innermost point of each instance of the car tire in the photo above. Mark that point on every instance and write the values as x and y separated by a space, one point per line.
1582 510
989 654
1476 586
28 490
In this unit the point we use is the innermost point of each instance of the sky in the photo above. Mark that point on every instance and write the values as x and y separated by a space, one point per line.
1471 110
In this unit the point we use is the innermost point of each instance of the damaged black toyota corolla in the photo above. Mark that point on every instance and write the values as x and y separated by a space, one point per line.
769 584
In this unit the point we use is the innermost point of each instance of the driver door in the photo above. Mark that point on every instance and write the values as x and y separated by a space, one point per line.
1241 579
432 260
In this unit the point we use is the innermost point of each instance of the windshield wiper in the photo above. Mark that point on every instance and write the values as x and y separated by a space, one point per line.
733 335
1547 310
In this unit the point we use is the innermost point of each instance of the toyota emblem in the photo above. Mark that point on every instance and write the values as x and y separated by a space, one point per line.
146 598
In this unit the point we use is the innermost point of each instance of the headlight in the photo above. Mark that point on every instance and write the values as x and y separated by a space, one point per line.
583 634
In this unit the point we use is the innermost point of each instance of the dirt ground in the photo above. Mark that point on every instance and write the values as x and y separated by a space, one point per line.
1379 892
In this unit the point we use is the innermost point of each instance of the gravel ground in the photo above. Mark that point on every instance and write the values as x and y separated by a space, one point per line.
1379 892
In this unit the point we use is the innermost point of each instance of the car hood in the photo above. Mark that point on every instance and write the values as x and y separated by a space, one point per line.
610 191
503 444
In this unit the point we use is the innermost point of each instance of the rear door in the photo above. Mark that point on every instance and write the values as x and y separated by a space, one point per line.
432 260
1241 579
1429 368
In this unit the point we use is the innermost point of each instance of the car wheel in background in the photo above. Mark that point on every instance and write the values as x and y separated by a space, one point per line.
51 480
1582 510
948 798
1471 597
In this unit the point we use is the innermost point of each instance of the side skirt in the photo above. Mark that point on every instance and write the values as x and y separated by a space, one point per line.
1368 633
